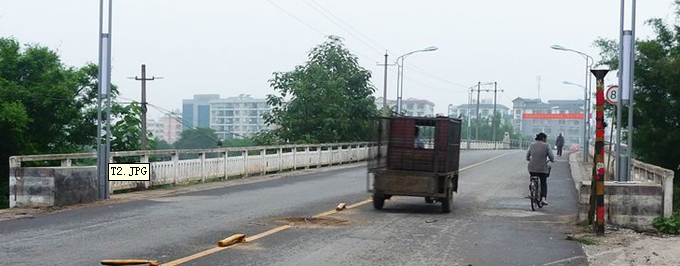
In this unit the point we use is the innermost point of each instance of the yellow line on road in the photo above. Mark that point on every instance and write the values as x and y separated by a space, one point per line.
253 238
284 227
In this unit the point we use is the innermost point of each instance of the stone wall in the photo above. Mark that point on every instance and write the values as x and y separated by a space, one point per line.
629 205
52 186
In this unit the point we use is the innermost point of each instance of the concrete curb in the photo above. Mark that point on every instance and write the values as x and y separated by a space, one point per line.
578 170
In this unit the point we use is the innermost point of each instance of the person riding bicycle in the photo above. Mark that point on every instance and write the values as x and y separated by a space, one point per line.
538 155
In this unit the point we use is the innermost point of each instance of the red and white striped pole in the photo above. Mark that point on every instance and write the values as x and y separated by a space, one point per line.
599 149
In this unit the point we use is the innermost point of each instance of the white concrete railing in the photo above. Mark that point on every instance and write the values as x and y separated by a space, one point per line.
248 161
644 172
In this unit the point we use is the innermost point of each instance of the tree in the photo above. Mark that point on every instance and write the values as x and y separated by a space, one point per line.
657 90
198 138
328 99
126 133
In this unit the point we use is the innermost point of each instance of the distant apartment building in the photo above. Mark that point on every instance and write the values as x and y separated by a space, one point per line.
531 116
410 106
155 128
486 108
172 127
196 111
238 117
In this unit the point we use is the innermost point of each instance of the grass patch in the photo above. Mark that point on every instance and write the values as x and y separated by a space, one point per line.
122 191
165 186
234 177
583 240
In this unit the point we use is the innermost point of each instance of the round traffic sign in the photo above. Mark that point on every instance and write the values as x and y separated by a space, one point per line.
612 94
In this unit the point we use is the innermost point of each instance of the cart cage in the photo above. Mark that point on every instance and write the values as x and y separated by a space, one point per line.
396 148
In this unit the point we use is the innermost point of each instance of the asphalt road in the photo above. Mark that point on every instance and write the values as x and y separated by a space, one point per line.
491 224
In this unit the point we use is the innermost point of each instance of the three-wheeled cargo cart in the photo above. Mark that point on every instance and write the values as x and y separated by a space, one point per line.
415 156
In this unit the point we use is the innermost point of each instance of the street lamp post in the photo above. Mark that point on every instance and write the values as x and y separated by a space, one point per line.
585 90
586 107
104 93
400 73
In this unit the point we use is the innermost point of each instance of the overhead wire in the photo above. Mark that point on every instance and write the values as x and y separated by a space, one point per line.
326 14
340 26
349 26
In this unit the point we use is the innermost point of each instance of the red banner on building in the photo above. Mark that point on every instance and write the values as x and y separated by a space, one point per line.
576 116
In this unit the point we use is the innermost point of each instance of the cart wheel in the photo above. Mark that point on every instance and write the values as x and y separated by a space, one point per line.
447 202
429 200
378 201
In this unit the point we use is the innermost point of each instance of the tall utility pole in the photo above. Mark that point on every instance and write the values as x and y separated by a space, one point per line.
479 90
631 102
493 122
386 109
143 79
626 74
479 87
104 88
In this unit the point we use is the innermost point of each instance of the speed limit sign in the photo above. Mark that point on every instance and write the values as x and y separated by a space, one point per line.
612 94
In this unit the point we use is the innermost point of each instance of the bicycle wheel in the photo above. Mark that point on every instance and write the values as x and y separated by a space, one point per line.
532 194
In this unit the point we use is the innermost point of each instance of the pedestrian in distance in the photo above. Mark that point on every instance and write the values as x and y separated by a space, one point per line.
560 144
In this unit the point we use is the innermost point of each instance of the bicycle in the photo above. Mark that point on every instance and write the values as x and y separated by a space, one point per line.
535 191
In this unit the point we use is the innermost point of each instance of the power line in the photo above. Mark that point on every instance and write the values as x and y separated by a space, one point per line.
349 26
296 18
340 26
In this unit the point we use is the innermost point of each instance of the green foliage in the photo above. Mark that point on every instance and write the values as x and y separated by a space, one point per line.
667 225
163 145
583 240
328 99
198 138
237 143
265 138
126 133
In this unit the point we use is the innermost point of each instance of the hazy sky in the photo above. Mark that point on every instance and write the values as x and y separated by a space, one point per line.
232 47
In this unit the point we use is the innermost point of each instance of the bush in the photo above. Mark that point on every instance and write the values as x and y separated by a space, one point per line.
667 225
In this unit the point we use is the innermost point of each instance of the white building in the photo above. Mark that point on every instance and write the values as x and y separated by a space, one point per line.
237 117
485 110
410 106
172 127
155 128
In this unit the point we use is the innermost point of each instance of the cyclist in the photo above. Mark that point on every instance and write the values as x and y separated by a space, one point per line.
538 155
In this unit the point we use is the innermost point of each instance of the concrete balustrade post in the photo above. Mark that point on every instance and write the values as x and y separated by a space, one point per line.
294 158
65 162
202 156
264 161
225 155
175 165
245 163
280 159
